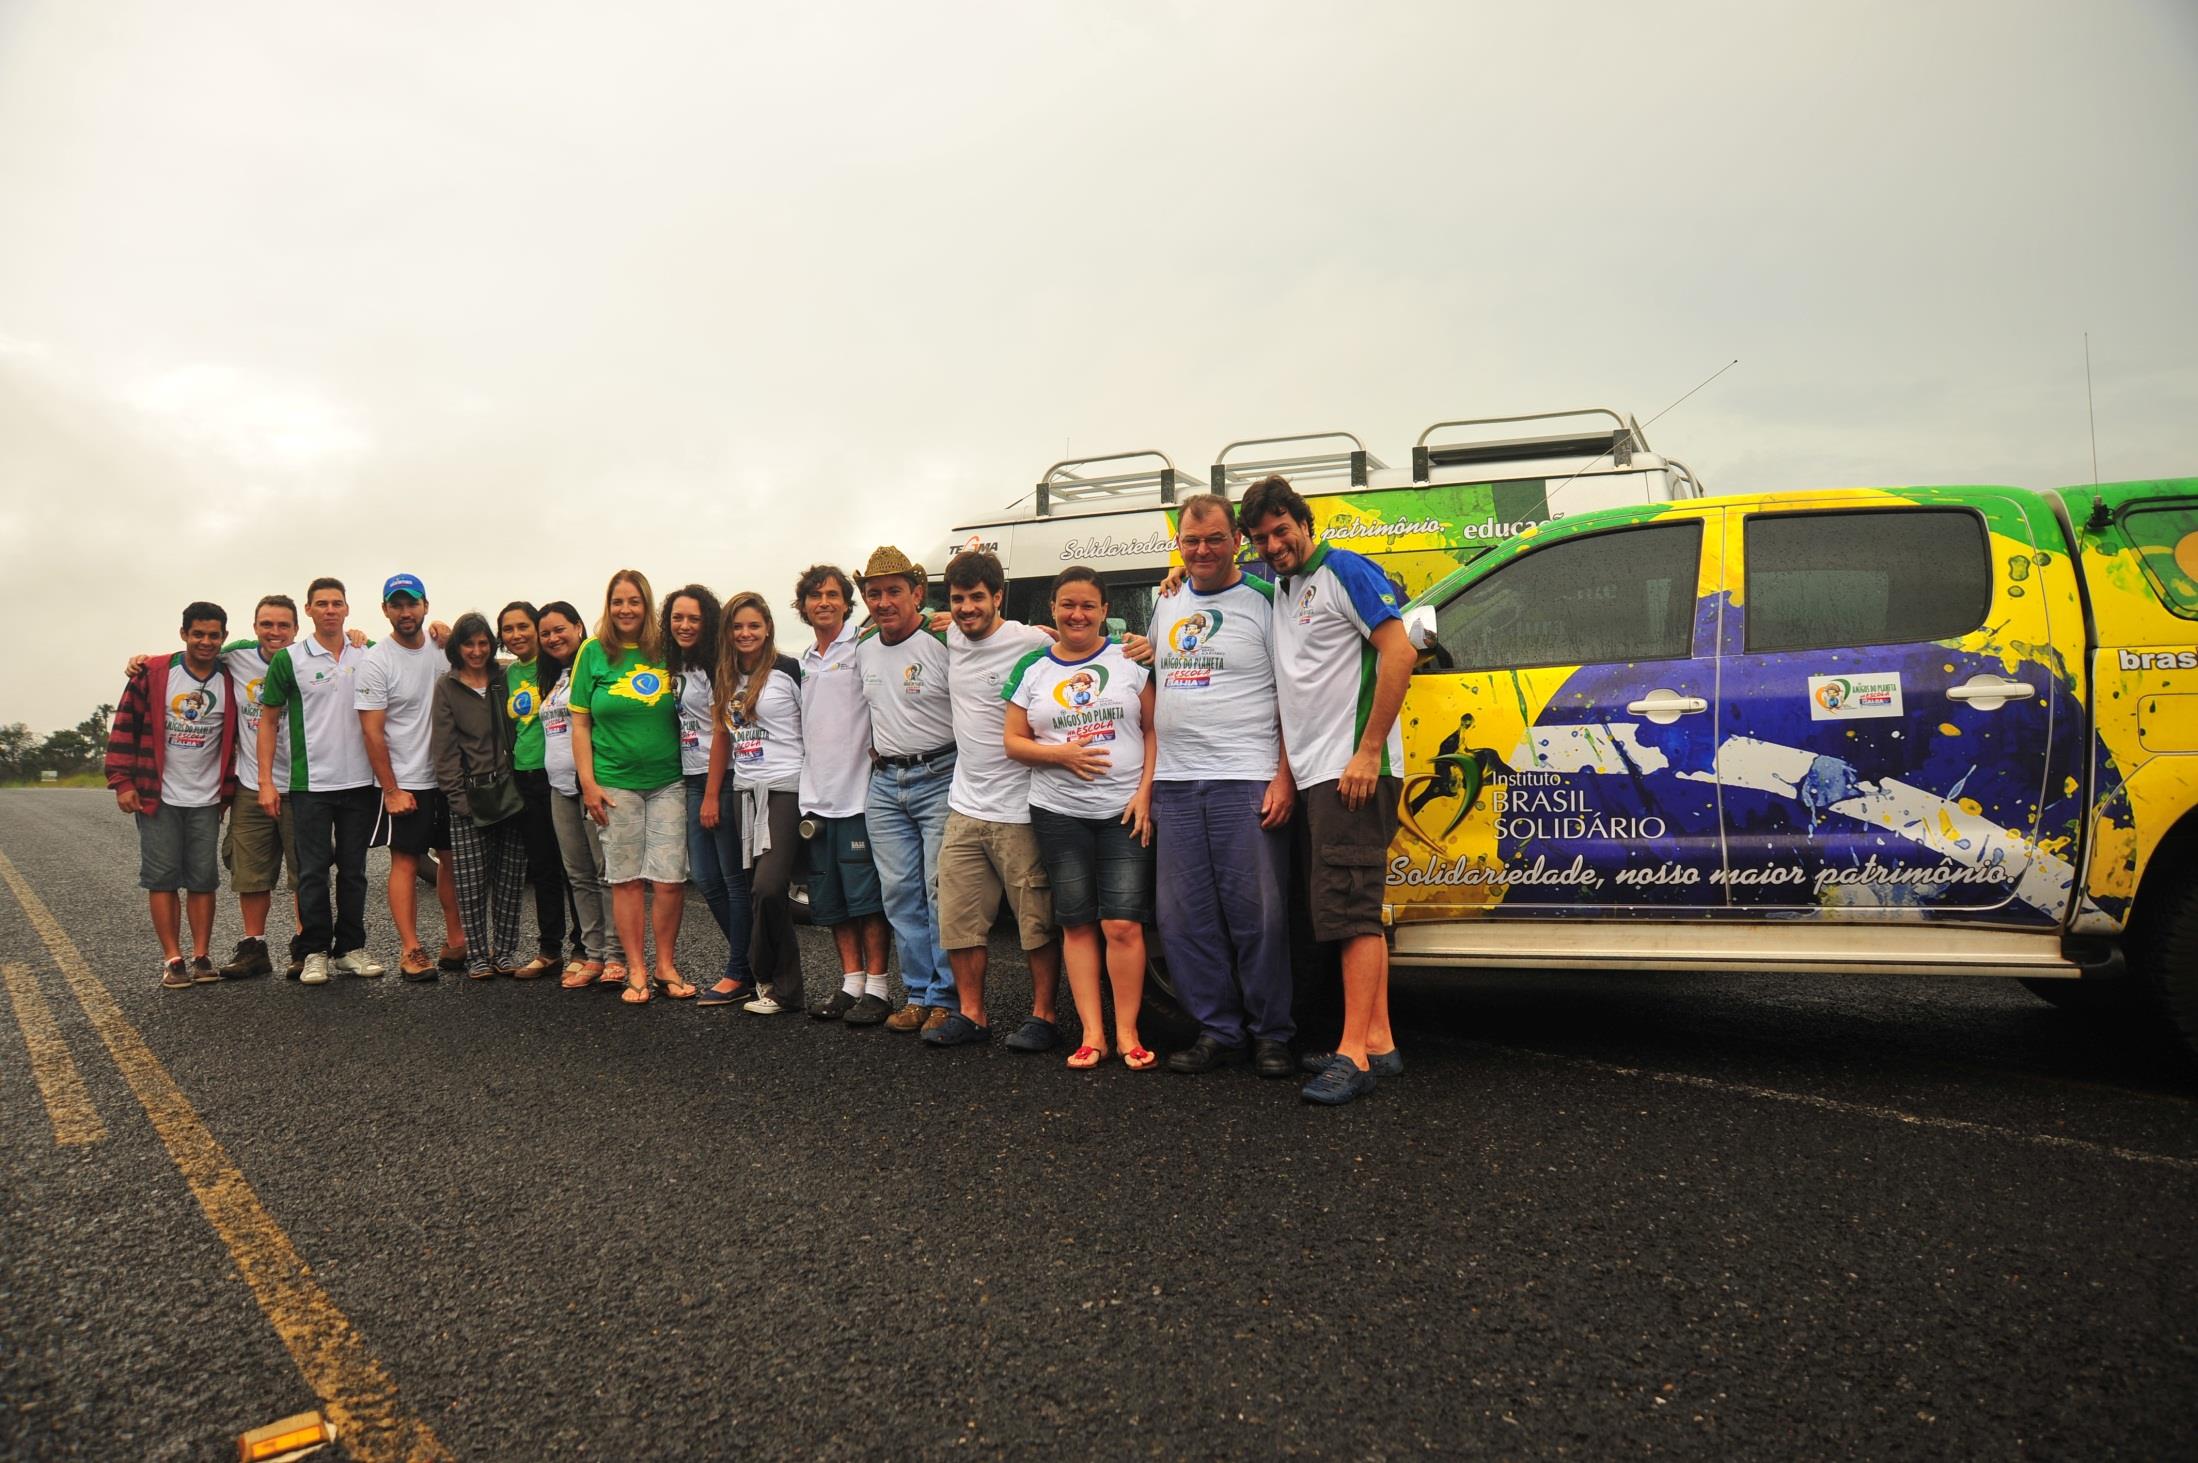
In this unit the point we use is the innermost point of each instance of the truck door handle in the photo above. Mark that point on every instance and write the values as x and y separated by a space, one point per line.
1987 692
1666 707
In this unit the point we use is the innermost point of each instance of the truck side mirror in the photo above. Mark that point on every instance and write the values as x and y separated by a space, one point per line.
1419 626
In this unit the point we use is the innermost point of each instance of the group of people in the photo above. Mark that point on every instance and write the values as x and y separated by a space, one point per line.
922 767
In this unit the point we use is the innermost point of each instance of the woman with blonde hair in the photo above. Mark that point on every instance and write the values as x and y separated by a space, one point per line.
757 811
625 748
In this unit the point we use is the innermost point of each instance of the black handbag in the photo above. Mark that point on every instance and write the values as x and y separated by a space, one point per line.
493 796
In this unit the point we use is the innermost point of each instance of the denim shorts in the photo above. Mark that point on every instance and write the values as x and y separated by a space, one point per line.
1097 867
843 882
646 837
179 849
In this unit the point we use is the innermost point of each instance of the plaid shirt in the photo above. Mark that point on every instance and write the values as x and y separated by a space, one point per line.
137 740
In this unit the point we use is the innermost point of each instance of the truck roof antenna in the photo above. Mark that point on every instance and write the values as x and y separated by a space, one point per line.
1652 421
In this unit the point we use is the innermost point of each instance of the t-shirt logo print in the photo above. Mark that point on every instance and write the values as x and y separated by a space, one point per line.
521 706
188 706
643 683
912 681
1080 690
1305 598
1192 631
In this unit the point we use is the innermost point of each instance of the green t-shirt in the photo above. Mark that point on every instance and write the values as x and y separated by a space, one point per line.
524 708
633 718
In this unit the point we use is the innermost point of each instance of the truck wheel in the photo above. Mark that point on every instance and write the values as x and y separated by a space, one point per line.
2163 950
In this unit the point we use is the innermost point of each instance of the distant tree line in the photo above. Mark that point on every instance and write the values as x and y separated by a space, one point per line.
24 755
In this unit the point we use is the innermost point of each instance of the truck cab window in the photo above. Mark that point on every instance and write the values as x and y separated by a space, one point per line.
1875 577
1622 596
2167 545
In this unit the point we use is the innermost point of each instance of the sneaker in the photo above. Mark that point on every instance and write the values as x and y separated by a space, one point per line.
315 970
764 1003
954 1029
415 965
868 1011
1382 1064
357 962
1034 1035
1338 1083
840 1004
250 958
936 1017
907 1018
202 971
175 976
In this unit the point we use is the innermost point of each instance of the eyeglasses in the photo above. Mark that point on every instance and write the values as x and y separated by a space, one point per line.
1203 541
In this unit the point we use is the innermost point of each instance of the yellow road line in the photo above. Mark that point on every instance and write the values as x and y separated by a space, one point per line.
75 1120
359 1397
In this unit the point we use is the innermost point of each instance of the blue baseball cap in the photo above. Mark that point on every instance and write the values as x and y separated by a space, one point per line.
397 584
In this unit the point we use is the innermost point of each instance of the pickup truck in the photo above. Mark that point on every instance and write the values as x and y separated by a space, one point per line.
1939 729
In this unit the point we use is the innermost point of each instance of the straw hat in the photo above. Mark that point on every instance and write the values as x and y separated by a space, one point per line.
887 561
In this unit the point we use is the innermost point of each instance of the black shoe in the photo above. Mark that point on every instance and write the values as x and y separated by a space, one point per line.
1273 1059
250 959
868 1011
840 1004
295 968
1203 1055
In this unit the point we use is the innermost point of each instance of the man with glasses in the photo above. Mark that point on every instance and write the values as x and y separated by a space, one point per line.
1221 796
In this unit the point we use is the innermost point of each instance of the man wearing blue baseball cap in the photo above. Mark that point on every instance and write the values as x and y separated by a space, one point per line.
396 687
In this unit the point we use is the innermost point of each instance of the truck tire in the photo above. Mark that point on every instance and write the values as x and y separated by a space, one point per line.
2163 949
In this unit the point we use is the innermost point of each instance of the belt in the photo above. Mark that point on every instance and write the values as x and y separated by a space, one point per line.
917 759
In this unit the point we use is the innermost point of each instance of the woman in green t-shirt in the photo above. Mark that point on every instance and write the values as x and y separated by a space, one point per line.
516 627
625 748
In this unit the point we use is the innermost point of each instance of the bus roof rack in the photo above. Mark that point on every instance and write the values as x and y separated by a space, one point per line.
1356 463
1061 483
1620 442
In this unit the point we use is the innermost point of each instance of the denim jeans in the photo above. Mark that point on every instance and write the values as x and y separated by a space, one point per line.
738 920
332 828
1223 913
906 811
707 865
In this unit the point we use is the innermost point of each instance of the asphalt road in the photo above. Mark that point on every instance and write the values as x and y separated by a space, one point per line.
1711 1217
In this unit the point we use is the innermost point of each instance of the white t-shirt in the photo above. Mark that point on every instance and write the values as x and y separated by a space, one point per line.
1324 666
766 750
190 769
694 722
1094 702
1214 687
835 729
905 685
556 714
988 783
248 670
401 683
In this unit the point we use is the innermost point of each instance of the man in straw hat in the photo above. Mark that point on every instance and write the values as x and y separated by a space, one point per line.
904 681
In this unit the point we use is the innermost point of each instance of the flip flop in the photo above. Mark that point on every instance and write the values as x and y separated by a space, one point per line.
1137 1059
578 975
676 987
637 995
614 973
1084 1058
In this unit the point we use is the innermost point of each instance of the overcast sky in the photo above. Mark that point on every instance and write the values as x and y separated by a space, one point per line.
510 295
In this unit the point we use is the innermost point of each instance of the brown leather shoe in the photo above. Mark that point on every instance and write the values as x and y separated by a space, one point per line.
540 965
414 964
907 1018
937 1018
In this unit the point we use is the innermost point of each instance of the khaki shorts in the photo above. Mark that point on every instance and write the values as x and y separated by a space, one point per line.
257 848
1350 858
646 837
978 861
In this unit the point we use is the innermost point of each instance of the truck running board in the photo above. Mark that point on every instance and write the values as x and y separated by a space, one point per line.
1785 945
